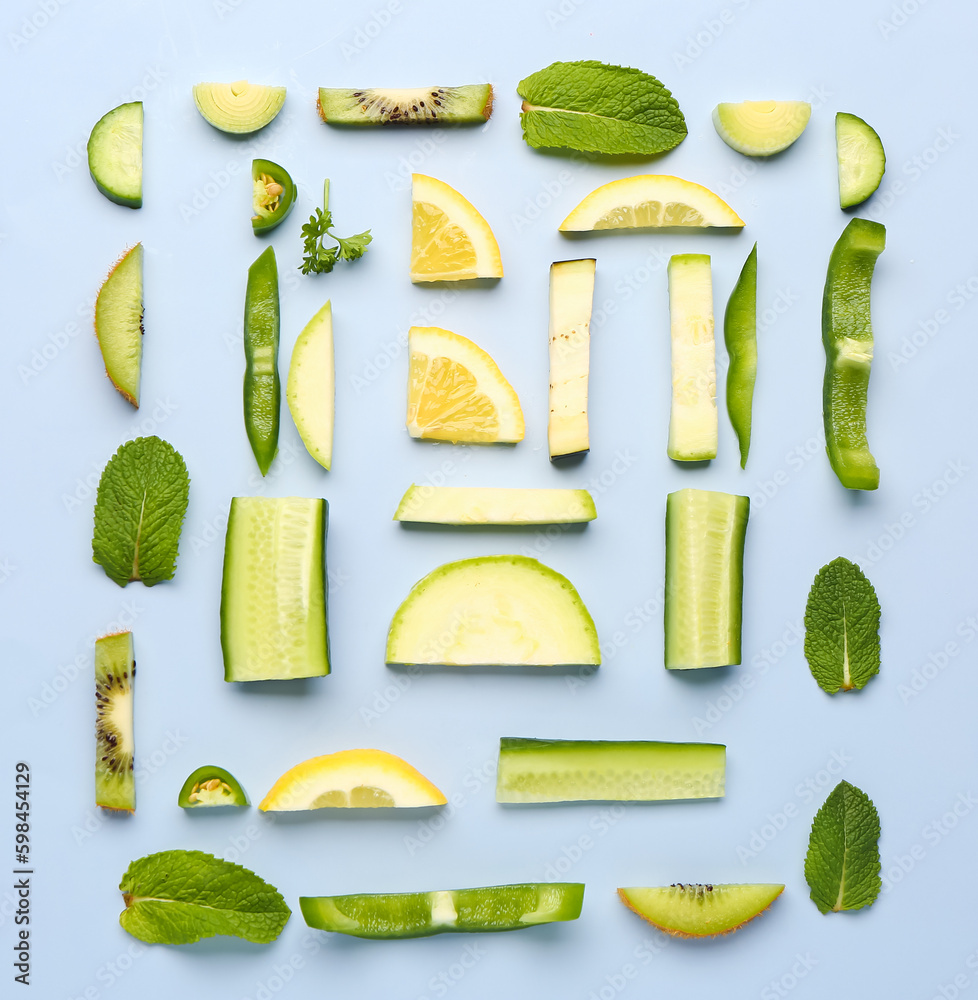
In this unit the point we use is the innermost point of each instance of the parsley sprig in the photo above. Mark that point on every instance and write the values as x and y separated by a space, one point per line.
319 258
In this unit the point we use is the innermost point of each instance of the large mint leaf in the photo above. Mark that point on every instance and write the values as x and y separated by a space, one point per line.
842 867
592 107
141 503
842 621
178 897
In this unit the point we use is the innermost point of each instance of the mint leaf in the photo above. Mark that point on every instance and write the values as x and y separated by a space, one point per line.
142 499
178 897
842 621
593 107
842 867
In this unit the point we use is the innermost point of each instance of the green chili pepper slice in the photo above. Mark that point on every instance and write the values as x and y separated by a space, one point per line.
273 195
211 786
262 389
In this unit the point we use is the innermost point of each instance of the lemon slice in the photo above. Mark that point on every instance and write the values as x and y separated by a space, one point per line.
450 240
650 201
457 393
351 779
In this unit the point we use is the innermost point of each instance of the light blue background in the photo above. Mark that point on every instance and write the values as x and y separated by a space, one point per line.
912 751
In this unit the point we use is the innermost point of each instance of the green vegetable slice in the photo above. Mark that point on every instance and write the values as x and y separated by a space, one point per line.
211 786
862 160
420 914
593 107
262 388
273 195
607 770
115 154
141 502
178 897
842 867
740 337
842 620
847 335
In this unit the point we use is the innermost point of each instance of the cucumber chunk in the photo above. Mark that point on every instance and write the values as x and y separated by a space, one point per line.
705 534
608 770
861 159
273 598
464 505
115 154
693 419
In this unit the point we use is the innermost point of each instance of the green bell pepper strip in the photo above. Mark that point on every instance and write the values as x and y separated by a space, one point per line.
740 336
262 388
273 195
847 336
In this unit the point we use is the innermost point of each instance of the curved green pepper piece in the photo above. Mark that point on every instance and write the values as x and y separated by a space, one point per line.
273 195
740 336
262 389
847 336
211 786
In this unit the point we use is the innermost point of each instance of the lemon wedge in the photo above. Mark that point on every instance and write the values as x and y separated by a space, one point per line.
450 240
650 201
457 393
351 779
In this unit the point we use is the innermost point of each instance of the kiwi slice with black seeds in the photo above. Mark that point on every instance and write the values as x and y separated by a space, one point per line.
468 105
115 669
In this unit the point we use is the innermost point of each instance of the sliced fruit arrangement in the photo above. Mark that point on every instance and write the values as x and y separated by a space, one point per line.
420 914
457 393
450 240
533 770
571 294
462 505
238 107
273 598
272 195
115 154
861 159
262 388
761 128
689 910
593 107
705 534
211 786
650 201
310 389
466 105
115 672
693 415
119 323
740 338
847 335
352 779
493 611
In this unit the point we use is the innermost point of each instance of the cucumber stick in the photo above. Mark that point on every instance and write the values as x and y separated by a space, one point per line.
693 420
847 335
613 770
571 292
273 599
705 534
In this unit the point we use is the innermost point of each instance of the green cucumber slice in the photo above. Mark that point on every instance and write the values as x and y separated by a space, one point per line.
493 611
761 128
847 335
462 505
705 534
690 910
740 337
571 293
115 154
273 598
693 418
861 159
420 914
211 786
608 770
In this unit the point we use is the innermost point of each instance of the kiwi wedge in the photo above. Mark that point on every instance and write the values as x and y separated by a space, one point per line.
468 105
690 910
115 669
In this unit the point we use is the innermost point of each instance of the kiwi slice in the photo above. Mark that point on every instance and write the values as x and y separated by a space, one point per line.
692 910
468 105
115 668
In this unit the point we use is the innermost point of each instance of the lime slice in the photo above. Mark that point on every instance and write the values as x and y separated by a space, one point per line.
420 914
